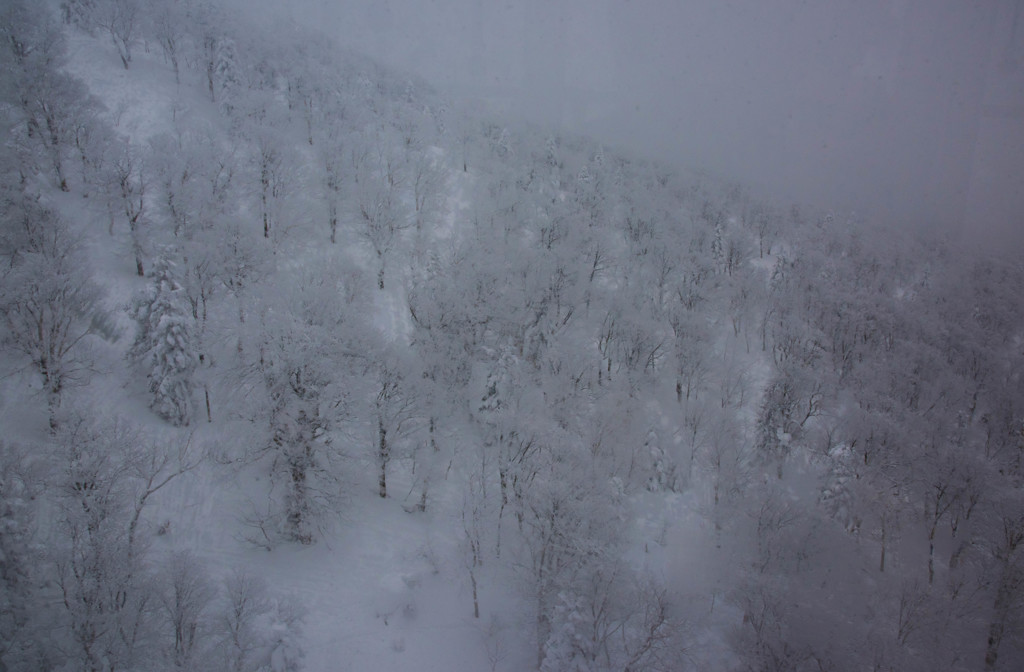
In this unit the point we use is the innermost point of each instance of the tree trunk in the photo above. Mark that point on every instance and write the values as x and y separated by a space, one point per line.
881 559
55 148
297 506
263 205
931 555
476 601
422 505
53 406
61 179
1010 580
996 629
383 455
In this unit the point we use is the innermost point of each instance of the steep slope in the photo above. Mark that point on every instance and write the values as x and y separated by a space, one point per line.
465 394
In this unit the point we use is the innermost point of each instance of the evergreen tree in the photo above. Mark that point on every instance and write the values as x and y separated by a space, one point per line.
164 345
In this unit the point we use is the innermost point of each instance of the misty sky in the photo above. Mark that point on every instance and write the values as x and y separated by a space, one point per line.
908 110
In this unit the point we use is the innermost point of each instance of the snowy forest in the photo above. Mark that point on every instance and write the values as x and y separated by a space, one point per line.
305 367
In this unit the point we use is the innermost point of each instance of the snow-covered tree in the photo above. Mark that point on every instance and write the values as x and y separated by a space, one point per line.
214 54
395 410
612 620
122 19
48 302
378 202
271 182
428 178
567 522
298 372
47 103
256 631
79 13
330 151
186 595
103 581
167 23
791 399
165 345
127 189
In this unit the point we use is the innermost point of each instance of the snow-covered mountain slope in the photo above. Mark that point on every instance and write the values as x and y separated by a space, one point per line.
305 369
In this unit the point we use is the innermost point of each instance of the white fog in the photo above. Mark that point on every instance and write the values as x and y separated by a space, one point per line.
910 111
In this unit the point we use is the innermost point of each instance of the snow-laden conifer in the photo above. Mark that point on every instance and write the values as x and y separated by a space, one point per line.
164 345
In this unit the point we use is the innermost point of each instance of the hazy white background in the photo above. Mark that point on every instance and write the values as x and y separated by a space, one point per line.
907 110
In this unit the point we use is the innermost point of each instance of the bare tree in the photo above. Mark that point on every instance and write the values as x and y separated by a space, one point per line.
303 396
54 103
331 152
169 25
242 647
186 599
272 174
428 179
1005 550
256 628
48 303
395 411
105 584
379 205
791 399
122 20
79 13
296 370
473 510
612 620
129 184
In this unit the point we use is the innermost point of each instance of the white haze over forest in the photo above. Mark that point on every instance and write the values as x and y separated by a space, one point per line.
503 352
909 111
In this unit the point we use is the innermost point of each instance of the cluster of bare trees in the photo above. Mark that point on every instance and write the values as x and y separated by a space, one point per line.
95 597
